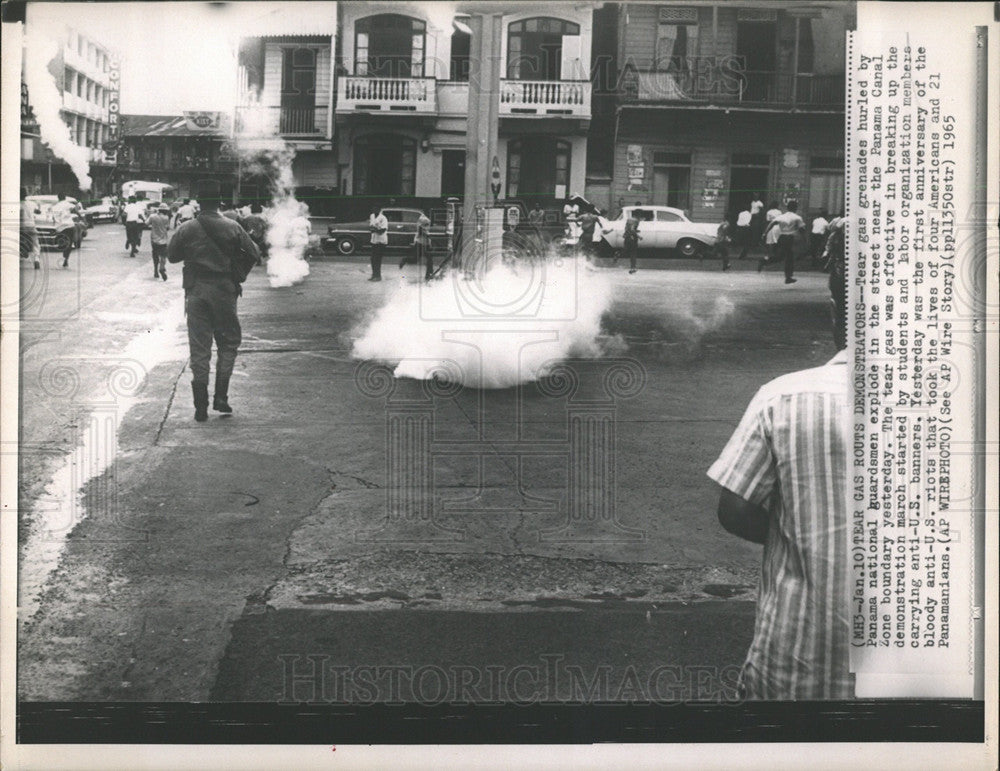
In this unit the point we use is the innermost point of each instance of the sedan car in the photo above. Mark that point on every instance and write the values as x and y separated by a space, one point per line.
662 227
48 234
105 210
348 237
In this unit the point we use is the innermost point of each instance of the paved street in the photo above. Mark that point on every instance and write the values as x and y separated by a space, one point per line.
208 561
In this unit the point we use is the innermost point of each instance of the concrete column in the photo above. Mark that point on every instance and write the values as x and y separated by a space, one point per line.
483 118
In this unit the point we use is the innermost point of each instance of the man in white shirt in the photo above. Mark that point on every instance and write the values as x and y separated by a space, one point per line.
743 232
757 218
379 227
789 225
62 213
817 238
185 212
135 215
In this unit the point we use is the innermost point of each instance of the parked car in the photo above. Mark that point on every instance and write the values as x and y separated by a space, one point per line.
661 228
48 234
349 237
105 210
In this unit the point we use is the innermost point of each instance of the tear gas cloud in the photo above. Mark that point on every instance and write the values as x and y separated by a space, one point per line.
287 218
427 330
46 101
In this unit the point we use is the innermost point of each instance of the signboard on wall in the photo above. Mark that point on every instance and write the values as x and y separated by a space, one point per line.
202 120
713 188
791 158
636 167
114 95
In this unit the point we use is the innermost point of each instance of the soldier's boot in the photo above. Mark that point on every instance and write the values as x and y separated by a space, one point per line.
220 402
200 391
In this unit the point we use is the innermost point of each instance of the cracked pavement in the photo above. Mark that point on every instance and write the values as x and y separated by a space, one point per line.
284 512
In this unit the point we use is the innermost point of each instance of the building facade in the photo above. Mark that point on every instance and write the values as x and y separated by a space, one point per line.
86 74
718 101
285 103
178 150
402 98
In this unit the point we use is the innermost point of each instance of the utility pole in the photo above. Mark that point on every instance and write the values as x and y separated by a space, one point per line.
483 121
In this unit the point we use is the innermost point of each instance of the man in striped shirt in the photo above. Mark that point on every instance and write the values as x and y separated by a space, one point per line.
783 477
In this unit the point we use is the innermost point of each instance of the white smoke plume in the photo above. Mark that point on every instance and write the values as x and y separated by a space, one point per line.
46 101
457 329
287 217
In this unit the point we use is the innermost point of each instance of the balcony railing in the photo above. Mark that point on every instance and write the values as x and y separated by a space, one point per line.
747 87
260 121
364 94
545 97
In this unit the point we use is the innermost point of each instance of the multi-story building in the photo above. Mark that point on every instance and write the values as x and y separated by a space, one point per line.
87 76
285 101
717 101
402 97
178 150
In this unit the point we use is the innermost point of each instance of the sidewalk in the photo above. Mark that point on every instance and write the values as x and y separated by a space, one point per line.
241 540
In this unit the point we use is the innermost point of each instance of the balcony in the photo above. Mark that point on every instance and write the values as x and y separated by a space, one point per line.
736 88
406 95
259 121
545 98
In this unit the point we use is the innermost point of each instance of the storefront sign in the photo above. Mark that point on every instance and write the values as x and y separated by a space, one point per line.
28 122
114 93
202 120
791 159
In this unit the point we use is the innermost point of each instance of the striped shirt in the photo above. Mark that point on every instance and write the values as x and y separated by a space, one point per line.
789 455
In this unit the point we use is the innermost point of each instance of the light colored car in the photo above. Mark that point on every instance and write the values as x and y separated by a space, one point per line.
49 235
663 227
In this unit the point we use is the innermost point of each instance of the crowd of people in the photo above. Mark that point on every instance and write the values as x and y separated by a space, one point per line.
780 233
165 217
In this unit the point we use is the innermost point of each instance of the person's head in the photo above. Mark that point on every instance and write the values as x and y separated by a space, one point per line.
61 196
375 209
793 205
256 208
775 205
209 194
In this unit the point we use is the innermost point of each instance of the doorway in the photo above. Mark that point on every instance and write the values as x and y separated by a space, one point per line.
384 164
452 173
389 46
535 48
743 183
756 48
538 170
